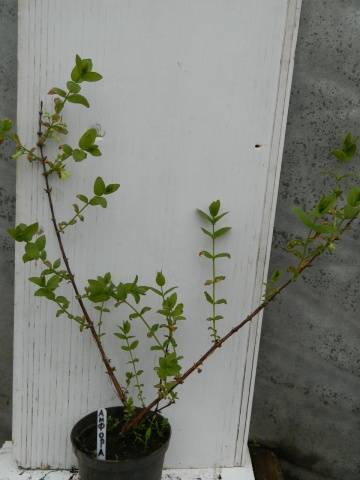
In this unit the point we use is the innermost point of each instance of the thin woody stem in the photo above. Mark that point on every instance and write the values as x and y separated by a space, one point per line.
90 324
132 423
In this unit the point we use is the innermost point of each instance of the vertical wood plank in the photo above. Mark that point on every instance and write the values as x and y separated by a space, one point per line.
269 208
189 89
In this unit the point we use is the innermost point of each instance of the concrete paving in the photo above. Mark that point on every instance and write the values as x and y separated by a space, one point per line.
307 389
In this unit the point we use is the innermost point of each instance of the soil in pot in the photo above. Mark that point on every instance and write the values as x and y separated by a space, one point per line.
135 455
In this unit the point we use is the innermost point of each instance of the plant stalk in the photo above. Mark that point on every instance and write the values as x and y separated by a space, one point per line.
90 324
132 423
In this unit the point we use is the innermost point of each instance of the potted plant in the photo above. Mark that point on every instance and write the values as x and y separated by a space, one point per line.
137 434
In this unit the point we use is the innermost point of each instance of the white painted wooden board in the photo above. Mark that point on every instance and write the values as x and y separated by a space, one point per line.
189 89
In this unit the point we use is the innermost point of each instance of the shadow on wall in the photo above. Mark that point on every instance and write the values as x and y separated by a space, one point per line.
306 404
8 49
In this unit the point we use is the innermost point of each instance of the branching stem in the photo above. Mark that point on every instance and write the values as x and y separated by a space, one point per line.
180 380
214 330
142 318
90 324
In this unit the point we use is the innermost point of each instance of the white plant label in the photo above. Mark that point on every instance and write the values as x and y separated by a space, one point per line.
101 434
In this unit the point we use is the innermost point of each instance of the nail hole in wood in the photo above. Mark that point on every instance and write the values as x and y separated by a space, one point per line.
258 145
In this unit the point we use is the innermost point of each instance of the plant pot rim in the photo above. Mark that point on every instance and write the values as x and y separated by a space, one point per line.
126 463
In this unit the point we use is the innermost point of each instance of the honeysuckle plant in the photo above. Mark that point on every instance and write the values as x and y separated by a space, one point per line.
323 225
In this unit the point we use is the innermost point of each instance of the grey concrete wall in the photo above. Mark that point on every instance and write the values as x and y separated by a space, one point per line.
8 47
307 390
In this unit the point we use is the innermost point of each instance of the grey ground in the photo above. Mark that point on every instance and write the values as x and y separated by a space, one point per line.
307 393
8 46
306 402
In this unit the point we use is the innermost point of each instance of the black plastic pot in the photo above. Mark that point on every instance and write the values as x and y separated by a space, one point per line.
147 467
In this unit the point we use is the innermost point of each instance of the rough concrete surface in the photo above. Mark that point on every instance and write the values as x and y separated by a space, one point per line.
307 393
8 47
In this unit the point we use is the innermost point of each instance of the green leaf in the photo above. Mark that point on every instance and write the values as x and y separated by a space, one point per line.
126 327
39 281
353 197
223 255
133 345
5 125
58 105
85 66
27 258
120 335
32 250
63 301
82 67
67 150
30 231
171 301
214 208
275 276
91 77
221 300
351 212
94 151
217 279
144 310
325 203
155 290
221 232
23 233
99 186
53 282
121 293
204 215
88 138
77 98
341 156
160 279
206 254
168 366
82 197
78 155
60 129
57 91
73 87
76 74
41 242
153 329
147 435
56 264
348 150
98 201
207 232
44 292
78 61
308 222
111 188
219 217
18 153
209 298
